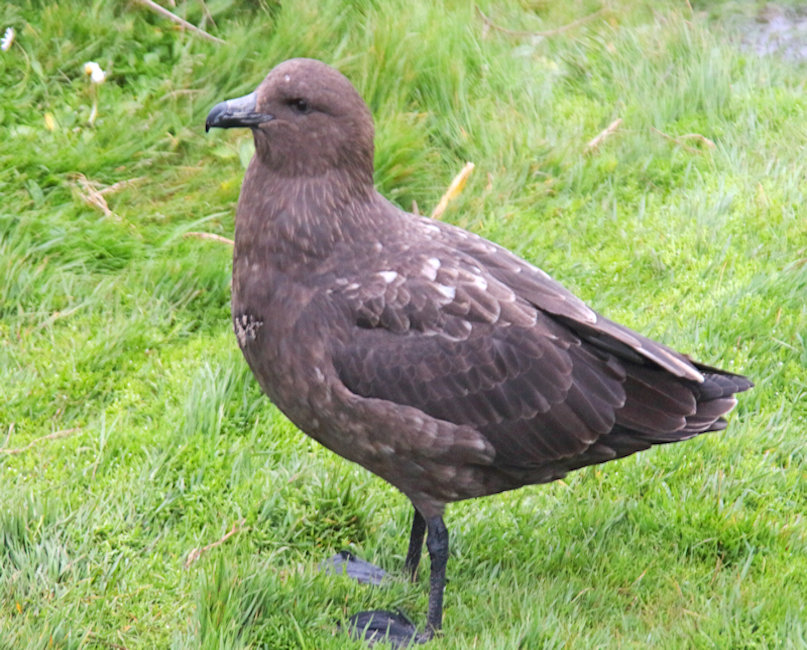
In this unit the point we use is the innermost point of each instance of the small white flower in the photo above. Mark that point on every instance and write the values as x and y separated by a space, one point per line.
7 40
94 72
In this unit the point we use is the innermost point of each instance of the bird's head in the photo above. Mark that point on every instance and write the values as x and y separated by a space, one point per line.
307 119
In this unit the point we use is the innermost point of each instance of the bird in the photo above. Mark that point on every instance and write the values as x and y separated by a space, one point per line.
436 359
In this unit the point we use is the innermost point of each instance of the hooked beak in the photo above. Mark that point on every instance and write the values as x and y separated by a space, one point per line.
236 112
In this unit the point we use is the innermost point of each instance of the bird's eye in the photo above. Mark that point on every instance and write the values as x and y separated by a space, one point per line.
300 105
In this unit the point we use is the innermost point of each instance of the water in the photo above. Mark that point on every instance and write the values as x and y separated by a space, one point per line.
778 31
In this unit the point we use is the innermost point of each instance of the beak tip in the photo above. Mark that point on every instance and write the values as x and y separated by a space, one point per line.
238 112
217 116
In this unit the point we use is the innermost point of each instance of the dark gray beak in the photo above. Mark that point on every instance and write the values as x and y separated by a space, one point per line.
241 111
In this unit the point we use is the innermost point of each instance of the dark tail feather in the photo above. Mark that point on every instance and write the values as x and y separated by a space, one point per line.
718 383
715 398
712 400
643 423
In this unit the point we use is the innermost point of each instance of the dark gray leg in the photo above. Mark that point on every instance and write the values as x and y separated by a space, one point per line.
395 628
437 543
415 544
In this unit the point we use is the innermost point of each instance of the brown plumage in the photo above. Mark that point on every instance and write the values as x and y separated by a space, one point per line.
434 358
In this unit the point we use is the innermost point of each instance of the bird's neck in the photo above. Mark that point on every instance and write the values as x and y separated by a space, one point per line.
294 222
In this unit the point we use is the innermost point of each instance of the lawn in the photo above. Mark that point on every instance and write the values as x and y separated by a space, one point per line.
132 432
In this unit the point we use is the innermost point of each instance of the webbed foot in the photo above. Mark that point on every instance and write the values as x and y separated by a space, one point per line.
379 626
354 567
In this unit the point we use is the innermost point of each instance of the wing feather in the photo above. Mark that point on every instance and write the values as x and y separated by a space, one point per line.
472 335
534 285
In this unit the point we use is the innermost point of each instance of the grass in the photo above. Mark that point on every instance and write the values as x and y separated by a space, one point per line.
114 328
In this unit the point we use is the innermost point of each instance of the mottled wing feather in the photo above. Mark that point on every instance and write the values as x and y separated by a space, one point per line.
466 349
534 285
472 335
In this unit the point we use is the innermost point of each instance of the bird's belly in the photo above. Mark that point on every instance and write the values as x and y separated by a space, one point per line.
287 348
